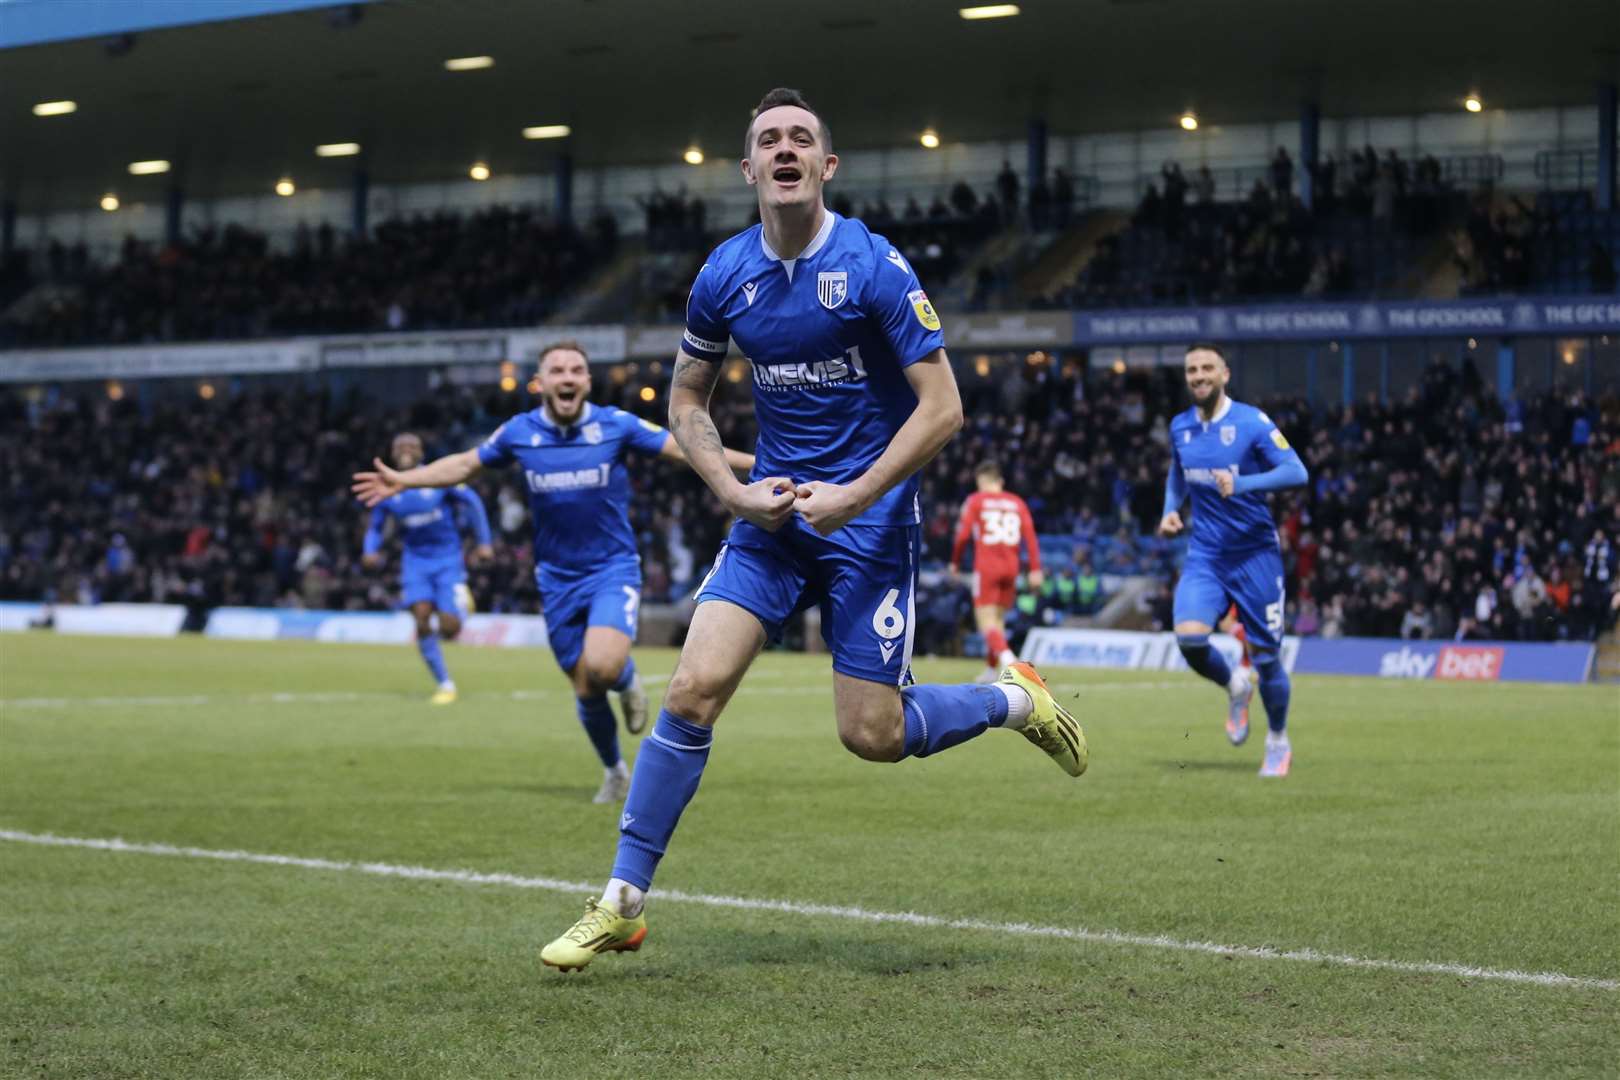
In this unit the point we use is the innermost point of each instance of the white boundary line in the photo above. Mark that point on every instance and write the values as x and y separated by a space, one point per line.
834 911
336 697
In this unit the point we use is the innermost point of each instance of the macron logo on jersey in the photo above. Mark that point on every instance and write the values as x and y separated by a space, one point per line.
568 479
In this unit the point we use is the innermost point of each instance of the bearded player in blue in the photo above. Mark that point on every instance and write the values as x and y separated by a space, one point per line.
1225 456
433 578
585 560
853 394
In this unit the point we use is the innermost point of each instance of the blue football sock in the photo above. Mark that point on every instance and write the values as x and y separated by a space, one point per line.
596 717
668 768
1275 690
433 655
940 717
1204 658
627 676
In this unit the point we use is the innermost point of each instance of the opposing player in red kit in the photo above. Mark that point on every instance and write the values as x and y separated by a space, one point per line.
998 522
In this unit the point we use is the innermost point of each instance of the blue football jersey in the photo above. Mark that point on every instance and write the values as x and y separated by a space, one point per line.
579 491
1240 438
829 335
427 522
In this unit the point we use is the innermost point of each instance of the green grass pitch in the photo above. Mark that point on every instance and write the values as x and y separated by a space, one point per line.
1470 825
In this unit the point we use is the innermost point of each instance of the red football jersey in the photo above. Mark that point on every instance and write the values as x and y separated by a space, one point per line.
998 522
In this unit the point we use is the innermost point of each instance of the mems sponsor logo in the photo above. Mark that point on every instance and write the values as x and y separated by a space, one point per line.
846 368
426 517
568 479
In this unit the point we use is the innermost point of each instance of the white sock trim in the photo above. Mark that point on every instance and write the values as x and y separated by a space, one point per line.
623 897
1019 705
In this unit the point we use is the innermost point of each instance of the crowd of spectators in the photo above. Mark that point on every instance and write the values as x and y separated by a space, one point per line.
1186 244
676 221
499 266
243 499
1510 245
1444 514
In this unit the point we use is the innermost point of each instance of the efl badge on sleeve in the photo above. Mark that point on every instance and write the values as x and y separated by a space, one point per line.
832 288
925 311
1277 439
1228 434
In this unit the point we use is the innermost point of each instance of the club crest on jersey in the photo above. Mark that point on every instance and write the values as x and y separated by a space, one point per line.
1228 434
534 439
832 288
592 433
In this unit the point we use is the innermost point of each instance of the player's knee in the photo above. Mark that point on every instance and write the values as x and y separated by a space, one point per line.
424 627
1268 664
449 626
692 697
600 672
873 744
1193 645
873 736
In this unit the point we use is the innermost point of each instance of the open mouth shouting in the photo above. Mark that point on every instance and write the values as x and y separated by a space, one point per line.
567 400
787 176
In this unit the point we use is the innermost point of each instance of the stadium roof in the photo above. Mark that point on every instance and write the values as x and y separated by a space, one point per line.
236 104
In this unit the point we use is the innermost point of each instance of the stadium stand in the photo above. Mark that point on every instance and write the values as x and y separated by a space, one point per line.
500 266
1185 244
1486 520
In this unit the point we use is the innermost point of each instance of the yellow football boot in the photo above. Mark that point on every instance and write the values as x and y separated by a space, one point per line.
601 930
1049 726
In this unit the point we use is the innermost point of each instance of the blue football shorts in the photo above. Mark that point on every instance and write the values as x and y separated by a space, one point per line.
433 580
863 578
1253 580
611 597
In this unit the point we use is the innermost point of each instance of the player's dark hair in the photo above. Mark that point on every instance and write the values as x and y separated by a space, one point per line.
566 345
1209 346
988 468
782 95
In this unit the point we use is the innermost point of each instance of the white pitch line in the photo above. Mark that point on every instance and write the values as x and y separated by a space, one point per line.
282 698
835 911
342 696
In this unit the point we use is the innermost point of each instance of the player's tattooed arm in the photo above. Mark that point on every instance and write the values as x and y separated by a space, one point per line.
765 502
689 419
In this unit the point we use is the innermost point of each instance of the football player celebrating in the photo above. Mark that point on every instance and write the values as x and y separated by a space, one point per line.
1224 457
853 393
585 560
